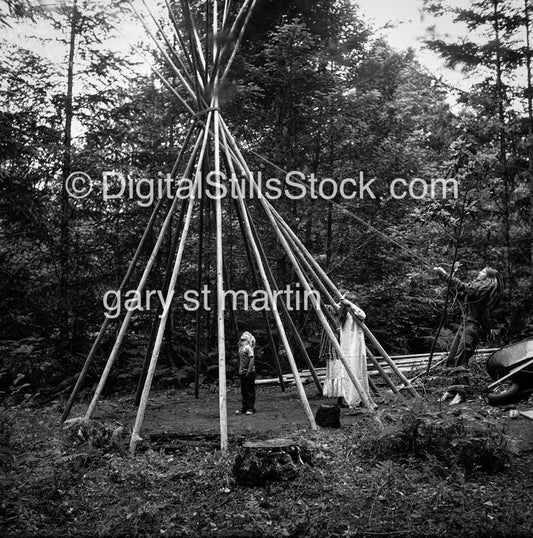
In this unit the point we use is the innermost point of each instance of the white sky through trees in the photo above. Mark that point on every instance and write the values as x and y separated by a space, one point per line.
400 22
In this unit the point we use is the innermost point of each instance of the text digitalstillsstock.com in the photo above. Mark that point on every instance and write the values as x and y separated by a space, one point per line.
295 186
295 299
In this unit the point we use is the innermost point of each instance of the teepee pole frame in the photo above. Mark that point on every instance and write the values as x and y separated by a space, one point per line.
266 320
364 397
222 393
107 320
186 73
140 287
159 339
368 333
153 331
268 289
131 267
199 281
284 309
319 284
202 85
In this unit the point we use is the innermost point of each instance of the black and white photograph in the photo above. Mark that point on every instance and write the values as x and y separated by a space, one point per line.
266 268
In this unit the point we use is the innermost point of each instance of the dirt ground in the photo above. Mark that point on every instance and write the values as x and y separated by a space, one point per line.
179 412
279 414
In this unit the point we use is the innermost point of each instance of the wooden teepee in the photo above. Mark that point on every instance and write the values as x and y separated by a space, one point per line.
209 148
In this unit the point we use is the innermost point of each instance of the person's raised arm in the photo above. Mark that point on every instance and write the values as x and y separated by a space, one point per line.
359 312
459 285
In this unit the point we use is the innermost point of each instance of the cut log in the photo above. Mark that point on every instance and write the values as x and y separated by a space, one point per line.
273 460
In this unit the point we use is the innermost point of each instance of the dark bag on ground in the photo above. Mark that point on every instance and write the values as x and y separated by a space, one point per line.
328 416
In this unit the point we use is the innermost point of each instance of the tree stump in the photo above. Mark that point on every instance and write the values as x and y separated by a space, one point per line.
328 416
271 460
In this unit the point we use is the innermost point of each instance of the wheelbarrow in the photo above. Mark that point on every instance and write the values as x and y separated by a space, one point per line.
511 367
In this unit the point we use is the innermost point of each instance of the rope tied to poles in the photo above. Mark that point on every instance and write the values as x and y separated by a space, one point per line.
206 111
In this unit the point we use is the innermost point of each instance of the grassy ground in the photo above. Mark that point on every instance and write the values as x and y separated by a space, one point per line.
363 480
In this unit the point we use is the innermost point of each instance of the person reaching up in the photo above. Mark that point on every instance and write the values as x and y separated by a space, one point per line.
477 299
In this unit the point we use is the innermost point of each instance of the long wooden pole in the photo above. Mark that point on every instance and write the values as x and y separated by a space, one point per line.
168 269
231 33
177 32
166 282
284 309
268 289
227 6
161 331
382 372
238 43
362 393
159 339
186 75
140 287
172 65
199 282
327 280
266 320
257 286
222 395
200 82
161 77
131 267
352 214
325 291
196 46
107 320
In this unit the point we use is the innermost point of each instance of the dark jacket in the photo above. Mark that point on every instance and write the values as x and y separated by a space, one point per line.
476 299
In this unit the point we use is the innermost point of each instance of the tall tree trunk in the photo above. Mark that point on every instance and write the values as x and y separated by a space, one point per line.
329 227
503 145
310 212
329 233
65 202
530 131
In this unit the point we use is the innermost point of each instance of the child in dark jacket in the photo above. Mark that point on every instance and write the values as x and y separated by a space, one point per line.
247 373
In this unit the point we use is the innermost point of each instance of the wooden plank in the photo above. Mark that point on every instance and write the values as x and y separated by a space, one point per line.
406 363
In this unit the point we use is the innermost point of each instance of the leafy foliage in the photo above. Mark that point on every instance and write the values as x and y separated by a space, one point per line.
313 89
